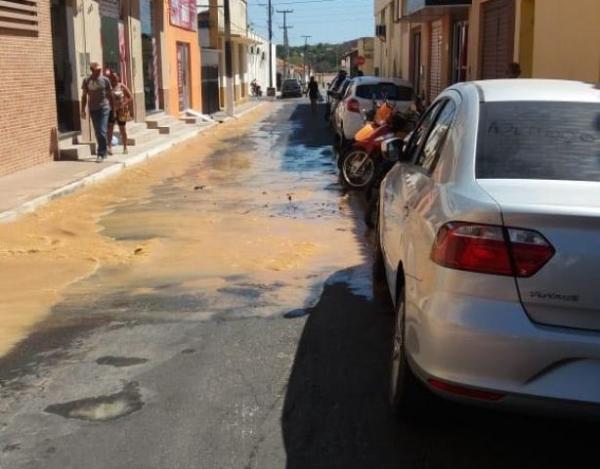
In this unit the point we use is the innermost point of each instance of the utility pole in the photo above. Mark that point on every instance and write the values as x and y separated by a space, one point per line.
270 91
229 93
286 42
306 38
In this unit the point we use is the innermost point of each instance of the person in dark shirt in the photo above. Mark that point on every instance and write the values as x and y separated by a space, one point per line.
313 94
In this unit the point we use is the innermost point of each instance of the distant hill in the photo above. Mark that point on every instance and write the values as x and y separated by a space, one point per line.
322 56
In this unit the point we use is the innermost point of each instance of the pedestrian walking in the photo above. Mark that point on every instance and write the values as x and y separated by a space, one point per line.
95 96
120 98
313 94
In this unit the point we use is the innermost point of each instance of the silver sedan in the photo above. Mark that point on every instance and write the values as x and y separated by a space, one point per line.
489 232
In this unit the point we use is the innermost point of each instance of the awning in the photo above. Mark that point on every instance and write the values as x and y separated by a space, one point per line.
427 10
239 39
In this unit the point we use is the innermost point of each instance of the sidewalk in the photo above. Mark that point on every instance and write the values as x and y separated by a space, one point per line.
25 191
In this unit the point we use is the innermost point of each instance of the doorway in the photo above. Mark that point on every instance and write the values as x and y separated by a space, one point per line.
67 104
150 55
415 61
183 75
210 81
497 38
109 34
435 60
460 41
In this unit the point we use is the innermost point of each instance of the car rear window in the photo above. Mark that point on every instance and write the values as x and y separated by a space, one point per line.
383 91
539 140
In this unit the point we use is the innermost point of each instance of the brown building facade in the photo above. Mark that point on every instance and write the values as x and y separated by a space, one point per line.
423 41
182 57
28 129
547 38
435 43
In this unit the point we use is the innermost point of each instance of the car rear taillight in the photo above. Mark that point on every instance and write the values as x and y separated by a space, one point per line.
352 105
530 251
491 249
464 391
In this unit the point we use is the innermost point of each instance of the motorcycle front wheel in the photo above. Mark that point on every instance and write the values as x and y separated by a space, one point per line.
358 170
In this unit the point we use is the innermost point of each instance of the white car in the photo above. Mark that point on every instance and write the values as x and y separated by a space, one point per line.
336 97
359 97
489 229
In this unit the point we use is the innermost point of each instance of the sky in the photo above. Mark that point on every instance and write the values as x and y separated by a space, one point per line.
324 20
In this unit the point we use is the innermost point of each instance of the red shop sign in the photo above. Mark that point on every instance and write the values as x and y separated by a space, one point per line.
183 14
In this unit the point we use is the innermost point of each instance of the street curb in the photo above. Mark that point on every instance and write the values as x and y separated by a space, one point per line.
8 216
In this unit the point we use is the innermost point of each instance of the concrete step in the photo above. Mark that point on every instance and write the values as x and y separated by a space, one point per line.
75 151
164 123
189 119
138 133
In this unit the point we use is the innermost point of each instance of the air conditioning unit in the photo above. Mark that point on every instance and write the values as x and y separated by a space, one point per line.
380 31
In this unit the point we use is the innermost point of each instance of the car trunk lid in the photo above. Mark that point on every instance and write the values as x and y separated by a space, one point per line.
566 291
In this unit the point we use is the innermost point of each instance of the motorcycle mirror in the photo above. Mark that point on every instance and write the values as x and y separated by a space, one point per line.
393 149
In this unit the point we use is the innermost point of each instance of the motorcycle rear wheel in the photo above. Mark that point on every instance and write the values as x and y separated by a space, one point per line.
358 170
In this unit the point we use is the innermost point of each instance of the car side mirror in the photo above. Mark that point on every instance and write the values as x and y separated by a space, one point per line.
392 149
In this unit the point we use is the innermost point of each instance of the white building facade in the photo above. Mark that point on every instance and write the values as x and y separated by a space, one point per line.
258 62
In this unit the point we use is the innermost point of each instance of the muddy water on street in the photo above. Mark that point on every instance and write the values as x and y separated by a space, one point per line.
234 222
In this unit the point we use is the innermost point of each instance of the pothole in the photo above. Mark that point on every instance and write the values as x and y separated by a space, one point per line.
120 361
102 408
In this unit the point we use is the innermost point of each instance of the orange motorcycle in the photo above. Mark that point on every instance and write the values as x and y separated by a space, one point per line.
358 166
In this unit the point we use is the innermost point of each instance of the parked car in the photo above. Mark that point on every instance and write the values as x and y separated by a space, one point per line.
291 88
489 232
336 97
359 97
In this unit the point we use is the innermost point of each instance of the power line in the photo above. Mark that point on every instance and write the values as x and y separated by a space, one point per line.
286 41
270 90
306 38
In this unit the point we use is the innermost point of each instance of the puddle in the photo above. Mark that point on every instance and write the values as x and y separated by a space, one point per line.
120 362
358 279
247 221
55 247
241 291
102 408
296 313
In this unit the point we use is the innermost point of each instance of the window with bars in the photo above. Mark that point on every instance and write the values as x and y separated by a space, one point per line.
19 15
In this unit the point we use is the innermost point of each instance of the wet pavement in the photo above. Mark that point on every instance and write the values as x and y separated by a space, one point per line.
245 330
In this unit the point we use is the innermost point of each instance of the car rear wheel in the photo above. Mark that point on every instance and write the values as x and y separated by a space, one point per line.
406 392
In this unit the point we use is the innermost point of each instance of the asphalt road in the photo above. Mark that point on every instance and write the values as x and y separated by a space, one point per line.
113 380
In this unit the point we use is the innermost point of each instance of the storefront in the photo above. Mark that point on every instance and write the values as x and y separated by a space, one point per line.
150 19
438 44
183 90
